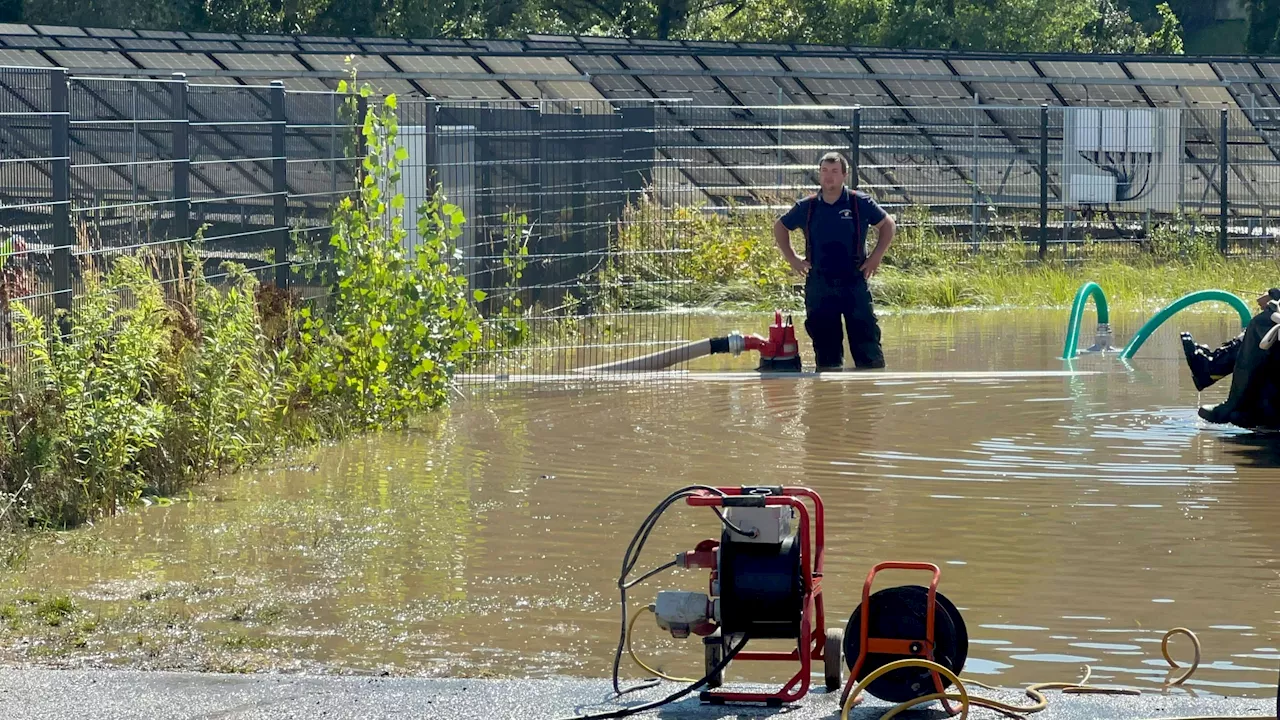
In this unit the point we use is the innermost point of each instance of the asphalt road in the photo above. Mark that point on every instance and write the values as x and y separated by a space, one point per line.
33 694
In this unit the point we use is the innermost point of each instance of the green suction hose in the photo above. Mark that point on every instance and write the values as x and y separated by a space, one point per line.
1088 290
1178 305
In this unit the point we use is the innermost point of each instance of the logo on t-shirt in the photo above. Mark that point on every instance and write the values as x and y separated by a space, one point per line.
846 214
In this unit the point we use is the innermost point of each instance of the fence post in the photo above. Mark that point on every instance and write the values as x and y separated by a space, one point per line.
280 184
431 161
1044 180
181 159
1222 184
60 151
855 145
639 124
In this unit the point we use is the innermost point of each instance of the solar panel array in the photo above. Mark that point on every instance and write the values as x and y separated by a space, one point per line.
569 130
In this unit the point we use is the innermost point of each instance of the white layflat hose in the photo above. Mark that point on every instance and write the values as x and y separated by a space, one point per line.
1270 338
660 360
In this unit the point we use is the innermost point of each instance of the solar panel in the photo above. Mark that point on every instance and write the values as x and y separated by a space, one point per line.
23 58
13 29
59 30
163 34
464 90
207 46
529 65
330 47
994 69
1014 94
269 47
437 64
1236 70
1171 71
907 66
175 61
214 36
88 43
146 44
1080 70
660 62
242 61
372 63
572 90
740 63
34 41
101 32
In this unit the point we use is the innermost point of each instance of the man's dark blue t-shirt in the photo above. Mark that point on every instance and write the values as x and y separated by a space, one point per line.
835 233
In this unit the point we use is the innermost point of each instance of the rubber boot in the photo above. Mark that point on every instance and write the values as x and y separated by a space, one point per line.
1208 366
1248 359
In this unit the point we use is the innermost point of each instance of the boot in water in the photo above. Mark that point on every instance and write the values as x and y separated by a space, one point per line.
1198 362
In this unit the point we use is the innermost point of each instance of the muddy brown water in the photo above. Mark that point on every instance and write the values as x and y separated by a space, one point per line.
1075 519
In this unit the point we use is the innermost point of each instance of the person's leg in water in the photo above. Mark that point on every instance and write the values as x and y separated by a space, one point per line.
1249 357
863 328
1209 365
822 322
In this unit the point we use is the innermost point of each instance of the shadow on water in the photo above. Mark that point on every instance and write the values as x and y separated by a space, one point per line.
1256 449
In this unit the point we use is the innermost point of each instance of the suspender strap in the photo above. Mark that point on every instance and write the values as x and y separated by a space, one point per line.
859 243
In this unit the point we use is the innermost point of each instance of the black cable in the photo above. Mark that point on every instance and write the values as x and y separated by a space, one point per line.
648 575
632 556
626 712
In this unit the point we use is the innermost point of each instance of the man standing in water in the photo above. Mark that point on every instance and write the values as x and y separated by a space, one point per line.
836 267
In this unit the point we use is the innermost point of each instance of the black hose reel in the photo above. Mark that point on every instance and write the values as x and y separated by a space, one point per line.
897 628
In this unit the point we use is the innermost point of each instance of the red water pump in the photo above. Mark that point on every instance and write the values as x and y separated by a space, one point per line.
779 353
766 583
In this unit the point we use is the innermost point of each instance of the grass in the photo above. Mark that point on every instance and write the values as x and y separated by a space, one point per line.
687 257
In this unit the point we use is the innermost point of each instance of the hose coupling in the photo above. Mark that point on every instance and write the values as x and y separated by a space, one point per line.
736 343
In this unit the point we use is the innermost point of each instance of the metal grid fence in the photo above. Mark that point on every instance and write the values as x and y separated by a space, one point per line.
582 214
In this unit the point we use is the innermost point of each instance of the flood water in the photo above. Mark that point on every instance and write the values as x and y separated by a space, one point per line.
1075 518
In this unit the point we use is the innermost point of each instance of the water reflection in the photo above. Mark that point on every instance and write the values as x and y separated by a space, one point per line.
1076 518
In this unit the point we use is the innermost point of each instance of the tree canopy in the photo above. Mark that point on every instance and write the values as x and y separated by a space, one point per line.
1011 25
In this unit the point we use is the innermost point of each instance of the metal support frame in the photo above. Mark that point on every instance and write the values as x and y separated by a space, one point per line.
60 151
1044 180
181 160
1223 195
279 185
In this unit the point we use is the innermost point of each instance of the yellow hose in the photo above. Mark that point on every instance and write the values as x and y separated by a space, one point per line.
1164 650
640 662
963 695
1033 691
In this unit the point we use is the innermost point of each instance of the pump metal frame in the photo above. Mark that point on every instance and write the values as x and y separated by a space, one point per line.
810 645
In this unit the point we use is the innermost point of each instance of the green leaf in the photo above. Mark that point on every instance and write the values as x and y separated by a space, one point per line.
379 340
390 102
479 295
402 154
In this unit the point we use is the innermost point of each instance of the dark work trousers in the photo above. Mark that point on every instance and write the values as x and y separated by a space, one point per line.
1251 401
827 301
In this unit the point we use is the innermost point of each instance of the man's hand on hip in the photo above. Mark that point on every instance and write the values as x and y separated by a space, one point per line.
799 265
869 267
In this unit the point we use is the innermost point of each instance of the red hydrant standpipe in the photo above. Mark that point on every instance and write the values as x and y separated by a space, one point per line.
779 353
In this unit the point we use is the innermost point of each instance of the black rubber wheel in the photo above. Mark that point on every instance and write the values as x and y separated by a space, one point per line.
832 662
899 613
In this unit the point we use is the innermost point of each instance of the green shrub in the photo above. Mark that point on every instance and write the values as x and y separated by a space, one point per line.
398 322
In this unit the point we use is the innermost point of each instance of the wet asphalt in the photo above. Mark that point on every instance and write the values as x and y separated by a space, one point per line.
38 694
